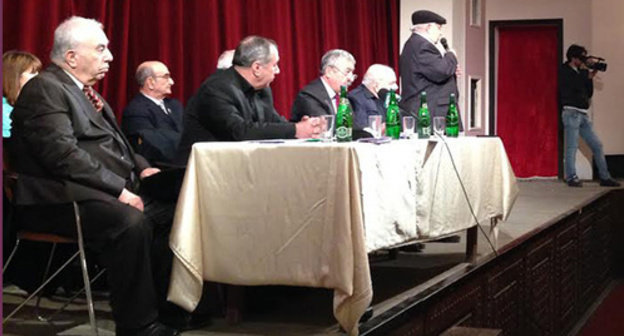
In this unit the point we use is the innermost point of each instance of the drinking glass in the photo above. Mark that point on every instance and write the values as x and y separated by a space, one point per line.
408 126
327 124
374 123
439 124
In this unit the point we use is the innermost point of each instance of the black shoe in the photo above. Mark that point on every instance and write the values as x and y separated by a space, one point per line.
153 329
574 182
417 247
609 183
184 321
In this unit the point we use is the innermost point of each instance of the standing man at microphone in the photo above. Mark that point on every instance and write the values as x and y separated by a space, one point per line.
427 64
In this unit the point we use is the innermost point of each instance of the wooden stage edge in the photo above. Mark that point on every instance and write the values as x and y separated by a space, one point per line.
557 252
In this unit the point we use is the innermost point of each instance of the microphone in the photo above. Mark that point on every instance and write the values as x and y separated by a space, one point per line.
444 43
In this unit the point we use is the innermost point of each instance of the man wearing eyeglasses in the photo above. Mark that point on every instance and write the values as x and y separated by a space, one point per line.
152 121
320 97
426 65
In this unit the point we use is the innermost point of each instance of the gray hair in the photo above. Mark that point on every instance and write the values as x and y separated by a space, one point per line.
376 73
225 59
143 73
254 49
331 58
69 34
420 28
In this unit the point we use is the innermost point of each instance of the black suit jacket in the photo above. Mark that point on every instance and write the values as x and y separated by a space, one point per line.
66 150
423 68
227 108
152 133
312 100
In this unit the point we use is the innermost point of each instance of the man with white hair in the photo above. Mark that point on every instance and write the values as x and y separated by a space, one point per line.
320 97
366 100
72 150
425 66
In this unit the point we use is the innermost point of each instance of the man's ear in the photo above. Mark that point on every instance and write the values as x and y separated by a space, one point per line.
71 58
255 68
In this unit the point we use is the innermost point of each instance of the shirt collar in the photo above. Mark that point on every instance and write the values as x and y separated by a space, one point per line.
74 79
440 48
330 92
158 102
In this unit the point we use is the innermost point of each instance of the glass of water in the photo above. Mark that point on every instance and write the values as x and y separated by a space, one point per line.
374 123
327 124
439 124
408 126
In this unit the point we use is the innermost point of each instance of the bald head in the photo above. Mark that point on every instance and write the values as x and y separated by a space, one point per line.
154 79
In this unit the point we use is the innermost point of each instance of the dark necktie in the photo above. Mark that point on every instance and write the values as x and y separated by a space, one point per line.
93 98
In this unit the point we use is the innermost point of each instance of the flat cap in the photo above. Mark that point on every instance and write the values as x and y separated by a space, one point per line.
425 16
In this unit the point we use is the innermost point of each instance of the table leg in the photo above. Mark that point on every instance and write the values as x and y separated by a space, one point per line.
471 244
235 303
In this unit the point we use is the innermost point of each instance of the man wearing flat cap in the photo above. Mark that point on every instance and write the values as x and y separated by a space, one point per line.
425 65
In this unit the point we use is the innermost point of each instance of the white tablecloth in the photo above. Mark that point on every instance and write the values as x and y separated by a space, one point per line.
306 214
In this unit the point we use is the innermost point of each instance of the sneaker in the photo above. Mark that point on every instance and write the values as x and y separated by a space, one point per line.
609 183
574 182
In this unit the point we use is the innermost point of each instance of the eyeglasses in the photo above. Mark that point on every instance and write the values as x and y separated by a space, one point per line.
348 74
165 76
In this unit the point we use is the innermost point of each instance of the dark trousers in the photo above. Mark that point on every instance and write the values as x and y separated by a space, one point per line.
132 245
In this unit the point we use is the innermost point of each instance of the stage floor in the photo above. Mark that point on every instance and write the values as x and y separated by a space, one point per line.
283 310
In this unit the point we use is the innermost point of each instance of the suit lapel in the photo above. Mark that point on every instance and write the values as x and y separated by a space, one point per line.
320 93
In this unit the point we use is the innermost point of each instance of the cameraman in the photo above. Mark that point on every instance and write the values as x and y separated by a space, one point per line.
575 89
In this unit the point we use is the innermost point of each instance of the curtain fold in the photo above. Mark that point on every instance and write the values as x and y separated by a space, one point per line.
188 36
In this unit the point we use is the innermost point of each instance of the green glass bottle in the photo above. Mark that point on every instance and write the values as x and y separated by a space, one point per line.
452 118
424 119
393 117
344 118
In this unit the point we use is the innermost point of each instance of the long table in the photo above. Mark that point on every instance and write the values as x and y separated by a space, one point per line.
307 213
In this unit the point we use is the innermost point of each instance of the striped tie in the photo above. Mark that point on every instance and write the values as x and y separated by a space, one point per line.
93 98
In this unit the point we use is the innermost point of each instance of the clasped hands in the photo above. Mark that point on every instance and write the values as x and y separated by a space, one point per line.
310 127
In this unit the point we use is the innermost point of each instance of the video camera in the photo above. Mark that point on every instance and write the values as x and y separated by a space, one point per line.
599 64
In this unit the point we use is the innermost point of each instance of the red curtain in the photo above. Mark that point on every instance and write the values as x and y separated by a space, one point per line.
527 110
189 36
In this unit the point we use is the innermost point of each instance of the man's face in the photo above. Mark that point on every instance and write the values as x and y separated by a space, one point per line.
268 71
389 82
341 74
435 32
92 57
161 81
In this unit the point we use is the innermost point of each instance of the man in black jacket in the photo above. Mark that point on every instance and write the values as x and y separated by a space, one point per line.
425 66
69 148
320 97
237 104
152 121
576 87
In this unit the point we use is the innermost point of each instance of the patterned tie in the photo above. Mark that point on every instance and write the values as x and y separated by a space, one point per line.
93 98
336 102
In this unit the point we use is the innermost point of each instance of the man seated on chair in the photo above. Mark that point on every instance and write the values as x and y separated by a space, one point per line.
236 104
366 100
71 150
151 121
320 97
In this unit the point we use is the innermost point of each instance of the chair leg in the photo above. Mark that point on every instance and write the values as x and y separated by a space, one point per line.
43 280
17 242
73 297
85 273
36 292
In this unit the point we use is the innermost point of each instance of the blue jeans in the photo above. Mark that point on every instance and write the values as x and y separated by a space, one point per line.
575 123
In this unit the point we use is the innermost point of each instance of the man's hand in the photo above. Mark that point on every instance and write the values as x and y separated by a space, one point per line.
131 199
149 172
308 128
458 71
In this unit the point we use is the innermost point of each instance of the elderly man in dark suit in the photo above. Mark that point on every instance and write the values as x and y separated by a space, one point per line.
71 149
152 121
366 99
237 104
425 66
320 97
